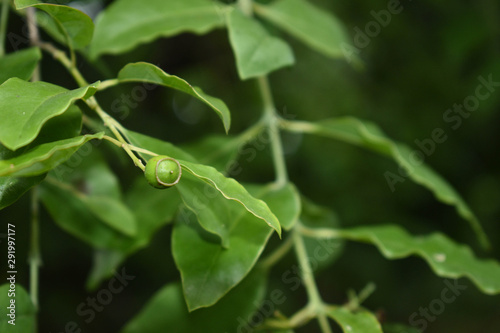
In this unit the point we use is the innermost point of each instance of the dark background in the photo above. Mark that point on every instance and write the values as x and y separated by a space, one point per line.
428 58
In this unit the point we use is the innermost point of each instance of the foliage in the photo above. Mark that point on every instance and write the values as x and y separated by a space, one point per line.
229 234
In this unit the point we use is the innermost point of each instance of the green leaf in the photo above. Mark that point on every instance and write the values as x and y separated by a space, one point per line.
446 258
72 184
104 265
257 52
284 202
232 190
207 269
61 127
152 209
213 211
26 106
89 173
167 311
368 135
44 157
69 185
354 322
127 23
65 24
90 180
145 72
13 188
20 64
78 220
212 214
113 213
65 126
322 252
25 311
215 150
315 27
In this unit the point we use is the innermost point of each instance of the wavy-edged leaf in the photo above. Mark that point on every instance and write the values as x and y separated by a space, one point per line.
368 135
315 27
67 125
127 23
360 321
201 199
166 311
208 270
257 52
232 190
20 64
26 106
65 24
45 157
284 202
25 312
145 72
444 256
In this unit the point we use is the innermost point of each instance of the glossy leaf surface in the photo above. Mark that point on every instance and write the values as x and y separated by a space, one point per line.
26 106
127 23
20 64
209 270
444 256
257 52
45 157
315 27
369 135
66 24
24 312
144 72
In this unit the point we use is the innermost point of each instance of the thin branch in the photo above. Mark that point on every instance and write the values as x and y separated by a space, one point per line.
315 301
278 254
35 260
274 133
131 147
34 36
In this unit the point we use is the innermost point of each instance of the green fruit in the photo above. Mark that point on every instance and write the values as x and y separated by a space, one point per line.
163 171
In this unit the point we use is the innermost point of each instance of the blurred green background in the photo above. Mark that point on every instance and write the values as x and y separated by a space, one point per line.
426 59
